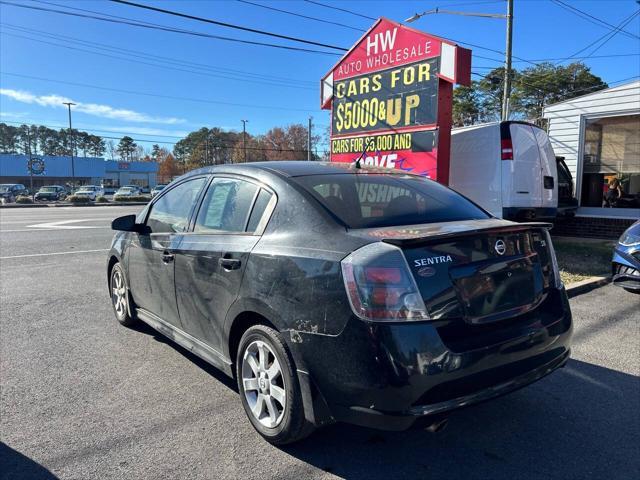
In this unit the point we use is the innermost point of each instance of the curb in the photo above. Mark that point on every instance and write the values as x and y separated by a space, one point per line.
25 205
584 286
58 205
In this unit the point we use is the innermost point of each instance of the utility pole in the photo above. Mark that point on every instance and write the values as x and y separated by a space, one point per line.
73 166
506 98
244 138
507 56
309 140
206 151
33 195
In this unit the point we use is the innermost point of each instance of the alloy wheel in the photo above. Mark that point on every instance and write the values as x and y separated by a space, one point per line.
118 293
263 384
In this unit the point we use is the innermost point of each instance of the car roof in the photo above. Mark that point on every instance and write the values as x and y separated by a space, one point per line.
297 168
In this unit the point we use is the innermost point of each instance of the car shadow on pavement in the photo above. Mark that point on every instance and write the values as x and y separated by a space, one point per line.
207 367
16 466
580 422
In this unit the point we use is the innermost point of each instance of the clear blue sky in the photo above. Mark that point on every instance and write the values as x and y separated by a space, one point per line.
218 69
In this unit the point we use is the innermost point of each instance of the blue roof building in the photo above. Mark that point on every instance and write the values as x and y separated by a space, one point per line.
83 171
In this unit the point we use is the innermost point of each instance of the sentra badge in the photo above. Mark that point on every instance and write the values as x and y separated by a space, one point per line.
425 262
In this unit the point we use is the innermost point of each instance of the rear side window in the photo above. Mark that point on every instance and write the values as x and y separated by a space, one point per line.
367 200
226 206
259 207
171 212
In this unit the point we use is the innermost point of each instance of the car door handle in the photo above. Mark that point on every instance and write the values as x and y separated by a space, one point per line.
229 263
167 257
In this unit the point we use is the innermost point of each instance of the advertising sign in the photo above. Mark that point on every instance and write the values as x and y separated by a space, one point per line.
390 98
35 166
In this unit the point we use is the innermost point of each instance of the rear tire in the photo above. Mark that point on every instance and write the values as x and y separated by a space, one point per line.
269 388
120 297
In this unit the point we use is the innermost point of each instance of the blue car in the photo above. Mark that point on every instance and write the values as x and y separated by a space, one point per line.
626 260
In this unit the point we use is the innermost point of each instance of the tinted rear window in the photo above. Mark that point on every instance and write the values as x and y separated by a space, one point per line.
367 200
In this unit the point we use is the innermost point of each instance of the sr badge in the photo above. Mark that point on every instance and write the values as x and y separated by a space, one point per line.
427 272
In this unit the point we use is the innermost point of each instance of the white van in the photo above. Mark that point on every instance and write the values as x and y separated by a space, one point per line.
508 168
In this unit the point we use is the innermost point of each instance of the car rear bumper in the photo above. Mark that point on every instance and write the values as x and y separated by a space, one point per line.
419 414
528 213
392 376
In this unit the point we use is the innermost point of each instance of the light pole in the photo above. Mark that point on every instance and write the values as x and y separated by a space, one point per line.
507 55
244 138
73 166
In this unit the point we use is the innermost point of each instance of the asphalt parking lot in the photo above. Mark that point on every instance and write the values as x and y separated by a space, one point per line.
84 398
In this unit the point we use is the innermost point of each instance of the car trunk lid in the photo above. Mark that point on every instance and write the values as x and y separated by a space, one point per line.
482 271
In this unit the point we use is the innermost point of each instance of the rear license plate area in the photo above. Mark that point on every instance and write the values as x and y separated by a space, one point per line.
489 290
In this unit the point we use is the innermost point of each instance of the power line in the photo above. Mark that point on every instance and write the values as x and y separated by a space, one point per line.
188 69
591 18
182 62
593 87
171 97
613 55
168 29
223 146
341 9
613 34
603 37
300 15
228 25
154 64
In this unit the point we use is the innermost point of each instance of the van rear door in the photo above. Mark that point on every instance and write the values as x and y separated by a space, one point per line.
549 171
523 178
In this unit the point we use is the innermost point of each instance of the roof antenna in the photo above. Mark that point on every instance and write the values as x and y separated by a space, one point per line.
356 164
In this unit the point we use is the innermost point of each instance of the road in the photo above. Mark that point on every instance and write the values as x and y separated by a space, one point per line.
84 398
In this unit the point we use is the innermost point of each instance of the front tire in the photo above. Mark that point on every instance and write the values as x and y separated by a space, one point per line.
120 296
269 387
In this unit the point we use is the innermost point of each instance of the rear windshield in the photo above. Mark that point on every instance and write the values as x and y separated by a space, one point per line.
366 200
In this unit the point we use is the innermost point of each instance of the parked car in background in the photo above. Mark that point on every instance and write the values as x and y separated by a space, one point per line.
508 168
626 260
51 193
90 191
127 191
368 296
10 191
157 189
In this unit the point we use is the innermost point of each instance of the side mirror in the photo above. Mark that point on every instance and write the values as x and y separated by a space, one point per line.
127 223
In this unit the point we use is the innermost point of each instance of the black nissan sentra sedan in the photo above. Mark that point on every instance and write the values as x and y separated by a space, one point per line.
335 293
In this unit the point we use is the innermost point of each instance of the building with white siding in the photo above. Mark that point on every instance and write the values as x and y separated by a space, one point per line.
599 136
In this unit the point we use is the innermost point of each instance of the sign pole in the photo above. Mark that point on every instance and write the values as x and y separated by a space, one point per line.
445 122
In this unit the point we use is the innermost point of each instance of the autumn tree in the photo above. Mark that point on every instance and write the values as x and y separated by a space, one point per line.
168 168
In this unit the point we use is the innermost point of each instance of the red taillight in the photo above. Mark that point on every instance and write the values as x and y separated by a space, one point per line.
507 149
383 274
380 286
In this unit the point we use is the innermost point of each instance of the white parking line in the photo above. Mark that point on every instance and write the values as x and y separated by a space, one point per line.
54 253
63 225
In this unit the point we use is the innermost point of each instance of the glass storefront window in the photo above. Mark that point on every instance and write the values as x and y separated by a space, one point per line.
611 168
